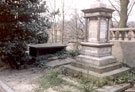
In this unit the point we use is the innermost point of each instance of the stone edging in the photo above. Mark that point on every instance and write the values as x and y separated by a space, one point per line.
123 88
115 88
5 88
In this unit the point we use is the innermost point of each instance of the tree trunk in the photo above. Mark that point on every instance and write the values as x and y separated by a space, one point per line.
63 21
123 13
123 16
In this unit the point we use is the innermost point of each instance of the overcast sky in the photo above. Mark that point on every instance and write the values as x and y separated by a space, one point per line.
70 5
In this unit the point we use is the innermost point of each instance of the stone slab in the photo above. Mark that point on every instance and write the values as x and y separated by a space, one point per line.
115 88
104 12
99 45
4 87
120 88
131 89
47 45
43 49
57 63
91 10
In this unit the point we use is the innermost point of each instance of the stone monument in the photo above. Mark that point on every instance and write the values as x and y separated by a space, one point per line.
96 55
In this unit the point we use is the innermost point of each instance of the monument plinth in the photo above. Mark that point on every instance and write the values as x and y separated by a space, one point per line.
96 55
97 48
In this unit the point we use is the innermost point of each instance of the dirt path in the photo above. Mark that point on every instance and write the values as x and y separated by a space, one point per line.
21 80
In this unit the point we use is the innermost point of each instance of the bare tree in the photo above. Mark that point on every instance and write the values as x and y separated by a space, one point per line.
123 13
76 27
123 9
54 14
63 20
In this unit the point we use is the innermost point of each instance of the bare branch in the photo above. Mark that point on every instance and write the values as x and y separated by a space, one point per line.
131 3
114 7
115 20
131 8
81 22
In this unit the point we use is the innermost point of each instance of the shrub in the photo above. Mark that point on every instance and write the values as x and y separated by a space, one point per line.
20 23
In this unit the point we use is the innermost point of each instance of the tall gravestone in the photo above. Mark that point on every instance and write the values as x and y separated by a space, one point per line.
96 55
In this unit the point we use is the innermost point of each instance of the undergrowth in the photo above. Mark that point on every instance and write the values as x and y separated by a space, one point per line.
49 80
42 60
126 77
88 83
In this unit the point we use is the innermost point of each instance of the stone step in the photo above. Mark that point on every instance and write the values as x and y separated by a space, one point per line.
73 70
57 63
112 88
98 69
96 60
131 89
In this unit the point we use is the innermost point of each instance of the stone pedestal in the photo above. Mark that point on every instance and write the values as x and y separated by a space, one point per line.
96 55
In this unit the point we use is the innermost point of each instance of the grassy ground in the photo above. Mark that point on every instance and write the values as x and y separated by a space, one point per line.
53 80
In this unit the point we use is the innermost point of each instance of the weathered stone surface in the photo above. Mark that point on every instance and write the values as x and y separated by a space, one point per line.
95 60
98 36
5 88
43 49
93 34
96 49
114 88
74 70
103 30
97 52
131 89
96 45
98 12
98 69
124 51
57 63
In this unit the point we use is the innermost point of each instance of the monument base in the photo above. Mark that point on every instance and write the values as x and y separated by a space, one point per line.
96 60
71 70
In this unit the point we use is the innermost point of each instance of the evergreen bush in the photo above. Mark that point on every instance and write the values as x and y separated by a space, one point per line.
20 24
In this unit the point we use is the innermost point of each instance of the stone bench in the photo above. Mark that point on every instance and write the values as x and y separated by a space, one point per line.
44 49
